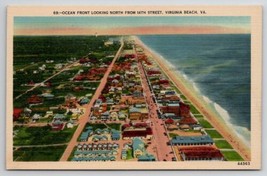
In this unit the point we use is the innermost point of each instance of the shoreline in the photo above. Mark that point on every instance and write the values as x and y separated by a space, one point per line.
228 133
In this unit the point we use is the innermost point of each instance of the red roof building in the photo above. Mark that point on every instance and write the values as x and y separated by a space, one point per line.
84 60
137 132
184 110
187 121
57 125
201 153
163 82
153 72
169 121
170 109
16 113
140 125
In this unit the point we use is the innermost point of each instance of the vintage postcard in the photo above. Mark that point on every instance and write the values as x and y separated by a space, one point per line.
134 87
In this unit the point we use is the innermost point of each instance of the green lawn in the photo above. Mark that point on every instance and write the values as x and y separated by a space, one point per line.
173 135
205 123
116 126
41 135
199 116
183 97
95 126
223 144
193 109
52 153
232 156
214 134
129 154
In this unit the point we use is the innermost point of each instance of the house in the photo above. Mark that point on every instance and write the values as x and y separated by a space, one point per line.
36 117
57 125
192 140
171 108
93 118
114 115
137 94
184 110
84 100
110 101
49 113
59 117
70 125
17 113
138 147
146 157
197 127
105 116
34 99
172 127
48 95
184 127
27 112
99 138
85 135
115 135
123 154
138 113
188 121
122 115
200 153
169 121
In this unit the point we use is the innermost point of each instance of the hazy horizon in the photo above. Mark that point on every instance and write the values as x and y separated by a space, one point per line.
131 25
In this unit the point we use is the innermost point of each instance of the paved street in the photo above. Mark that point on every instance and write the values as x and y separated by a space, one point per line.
160 138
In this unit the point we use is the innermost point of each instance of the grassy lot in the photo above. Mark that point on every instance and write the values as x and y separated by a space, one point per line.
172 135
199 116
129 154
116 126
41 135
193 109
95 126
183 97
214 134
205 123
232 156
52 153
223 144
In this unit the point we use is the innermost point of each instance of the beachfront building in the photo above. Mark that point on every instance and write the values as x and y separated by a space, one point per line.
201 153
192 140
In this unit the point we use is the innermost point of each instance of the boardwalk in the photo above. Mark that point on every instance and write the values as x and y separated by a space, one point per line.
84 119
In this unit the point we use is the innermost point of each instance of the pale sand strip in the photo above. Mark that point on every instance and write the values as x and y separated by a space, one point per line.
215 121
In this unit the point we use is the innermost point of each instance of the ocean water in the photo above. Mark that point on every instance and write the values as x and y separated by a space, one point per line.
217 67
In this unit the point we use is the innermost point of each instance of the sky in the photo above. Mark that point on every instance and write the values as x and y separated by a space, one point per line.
130 25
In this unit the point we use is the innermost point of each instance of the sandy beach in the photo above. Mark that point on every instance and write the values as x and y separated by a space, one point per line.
216 121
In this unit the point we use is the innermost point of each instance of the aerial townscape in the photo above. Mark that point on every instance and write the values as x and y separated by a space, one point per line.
106 98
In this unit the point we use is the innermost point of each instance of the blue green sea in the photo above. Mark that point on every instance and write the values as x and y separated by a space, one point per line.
217 67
